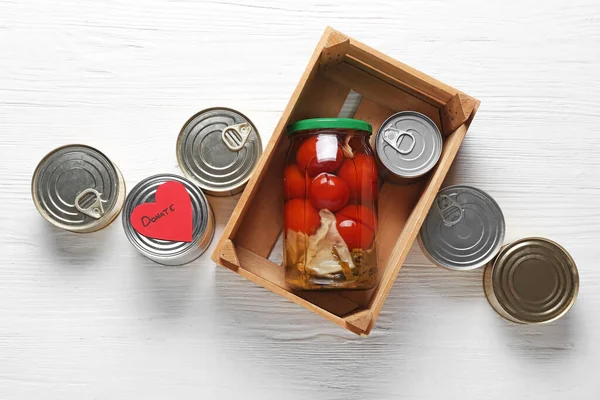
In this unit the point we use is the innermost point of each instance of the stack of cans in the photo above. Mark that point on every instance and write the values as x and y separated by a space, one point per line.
79 189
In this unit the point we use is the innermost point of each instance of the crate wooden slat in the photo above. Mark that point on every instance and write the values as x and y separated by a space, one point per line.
338 65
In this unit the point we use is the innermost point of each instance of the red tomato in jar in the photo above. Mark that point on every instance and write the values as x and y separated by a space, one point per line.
360 173
361 214
319 154
355 234
294 183
300 216
328 191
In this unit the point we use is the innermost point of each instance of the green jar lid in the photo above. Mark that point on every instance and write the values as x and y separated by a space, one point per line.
329 123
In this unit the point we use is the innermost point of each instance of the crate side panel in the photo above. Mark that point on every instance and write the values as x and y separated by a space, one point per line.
410 77
323 98
331 302
373 113
260 228
381 92
396 203
393 81
291 296
414 222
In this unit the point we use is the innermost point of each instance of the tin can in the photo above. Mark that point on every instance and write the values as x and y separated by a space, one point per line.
463 230
532 281
408 146
78 188
163 251
218 149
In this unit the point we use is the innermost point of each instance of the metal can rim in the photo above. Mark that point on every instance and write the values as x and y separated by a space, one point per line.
188 254
438 154
211 191
491 257
93 226
497 305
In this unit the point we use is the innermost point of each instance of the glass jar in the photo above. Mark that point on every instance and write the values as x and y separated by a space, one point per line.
330 215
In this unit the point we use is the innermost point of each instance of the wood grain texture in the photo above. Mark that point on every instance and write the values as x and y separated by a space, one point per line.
86 317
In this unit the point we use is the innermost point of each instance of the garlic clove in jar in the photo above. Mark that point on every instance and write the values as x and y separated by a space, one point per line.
320 259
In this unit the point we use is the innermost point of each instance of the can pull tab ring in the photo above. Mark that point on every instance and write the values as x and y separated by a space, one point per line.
394 138
447 208
235 136
94 210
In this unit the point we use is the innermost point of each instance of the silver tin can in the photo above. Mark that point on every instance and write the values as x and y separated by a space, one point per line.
532 281
463 230
78 188
163 251
408 145
218 149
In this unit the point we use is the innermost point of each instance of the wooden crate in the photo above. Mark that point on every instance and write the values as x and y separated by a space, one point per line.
338 65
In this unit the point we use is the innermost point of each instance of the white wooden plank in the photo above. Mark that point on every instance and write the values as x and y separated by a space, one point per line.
87 317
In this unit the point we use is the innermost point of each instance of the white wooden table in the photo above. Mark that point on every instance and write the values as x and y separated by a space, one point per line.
86 317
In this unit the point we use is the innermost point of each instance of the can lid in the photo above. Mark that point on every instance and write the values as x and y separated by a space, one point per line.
464 228
534 280
165 251
76 187
408 144
218 149
329 123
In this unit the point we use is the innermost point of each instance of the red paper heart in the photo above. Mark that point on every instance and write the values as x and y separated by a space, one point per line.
169 218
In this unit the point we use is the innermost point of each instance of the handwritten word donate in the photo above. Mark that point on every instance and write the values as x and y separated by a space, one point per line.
148 220
169 218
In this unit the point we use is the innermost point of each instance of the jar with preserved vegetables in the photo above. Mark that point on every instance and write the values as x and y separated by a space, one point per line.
330 213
